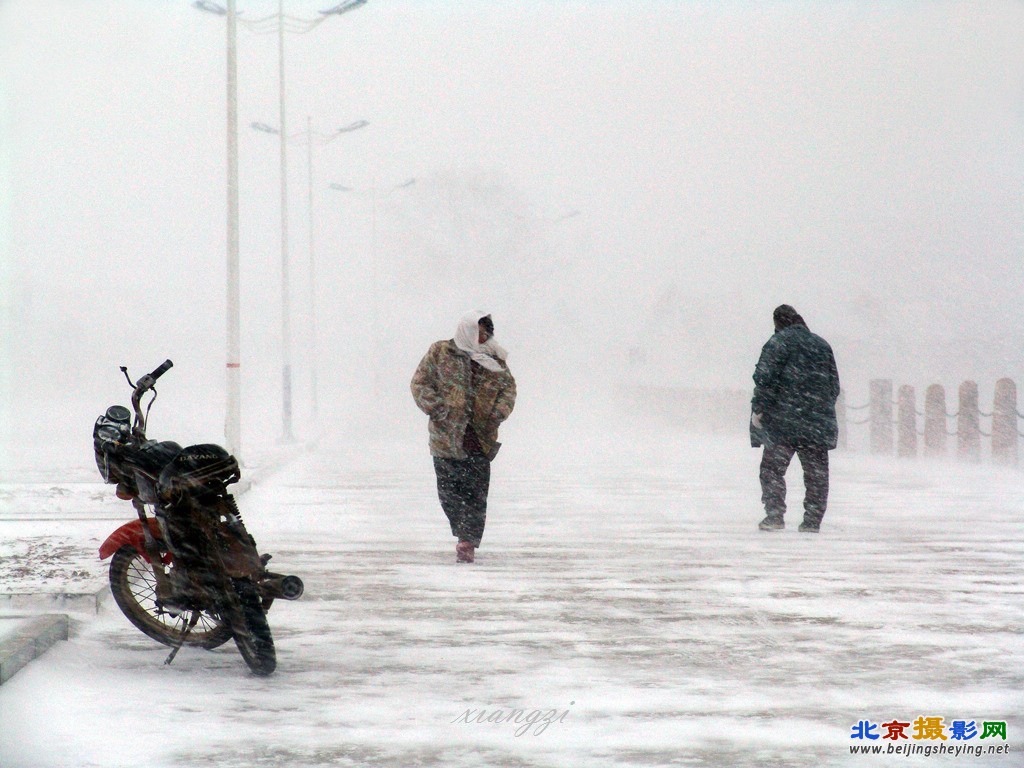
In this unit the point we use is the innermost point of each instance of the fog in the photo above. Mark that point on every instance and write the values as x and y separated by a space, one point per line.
629 189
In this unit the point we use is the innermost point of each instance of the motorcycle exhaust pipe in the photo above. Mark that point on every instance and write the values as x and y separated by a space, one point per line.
275 585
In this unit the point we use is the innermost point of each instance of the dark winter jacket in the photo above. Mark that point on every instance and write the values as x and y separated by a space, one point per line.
446 389
796 384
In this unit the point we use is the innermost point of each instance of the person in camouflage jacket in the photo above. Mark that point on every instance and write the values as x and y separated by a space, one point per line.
465 387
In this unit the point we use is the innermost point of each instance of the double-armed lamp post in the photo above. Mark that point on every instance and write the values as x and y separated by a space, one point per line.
310 139
277 23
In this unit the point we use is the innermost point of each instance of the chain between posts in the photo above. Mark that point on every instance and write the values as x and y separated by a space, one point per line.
949 415
903 414
895 403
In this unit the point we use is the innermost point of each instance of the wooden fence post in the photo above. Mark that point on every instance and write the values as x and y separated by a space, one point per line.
906 420
881 416
935 433
968 423
1004 423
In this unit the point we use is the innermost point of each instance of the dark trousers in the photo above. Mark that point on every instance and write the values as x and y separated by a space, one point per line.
462 486
775 462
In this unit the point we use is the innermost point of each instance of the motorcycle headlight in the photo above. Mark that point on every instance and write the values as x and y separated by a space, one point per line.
108 433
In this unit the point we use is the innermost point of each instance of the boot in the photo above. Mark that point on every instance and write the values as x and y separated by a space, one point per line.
772 523
464 552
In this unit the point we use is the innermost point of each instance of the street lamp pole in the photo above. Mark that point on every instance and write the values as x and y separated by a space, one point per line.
233 410
233 416
313 330
311 138
286 340
374 193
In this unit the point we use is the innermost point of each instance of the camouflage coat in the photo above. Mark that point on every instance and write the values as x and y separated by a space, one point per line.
443 389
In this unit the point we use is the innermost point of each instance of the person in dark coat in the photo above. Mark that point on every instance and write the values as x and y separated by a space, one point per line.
793 411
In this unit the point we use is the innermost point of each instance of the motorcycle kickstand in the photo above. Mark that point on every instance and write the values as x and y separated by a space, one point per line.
181 641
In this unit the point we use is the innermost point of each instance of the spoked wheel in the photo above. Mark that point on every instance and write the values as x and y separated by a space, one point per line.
249 625
134 588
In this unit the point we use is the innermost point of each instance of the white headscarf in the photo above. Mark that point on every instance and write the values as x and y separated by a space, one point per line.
467 338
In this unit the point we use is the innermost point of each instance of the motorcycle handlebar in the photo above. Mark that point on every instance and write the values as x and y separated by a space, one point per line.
161 369
147 381
142 386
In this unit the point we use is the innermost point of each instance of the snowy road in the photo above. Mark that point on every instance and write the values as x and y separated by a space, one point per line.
623 593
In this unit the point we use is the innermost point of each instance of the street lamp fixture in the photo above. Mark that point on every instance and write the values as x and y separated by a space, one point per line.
372 190
345 7
265 128
353 126
309 135
206 5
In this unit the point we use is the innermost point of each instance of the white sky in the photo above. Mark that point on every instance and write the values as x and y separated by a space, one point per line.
860 161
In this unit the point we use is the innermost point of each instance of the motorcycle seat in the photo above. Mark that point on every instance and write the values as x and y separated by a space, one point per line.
203 468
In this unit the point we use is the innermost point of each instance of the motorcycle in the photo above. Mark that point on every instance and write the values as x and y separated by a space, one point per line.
186 572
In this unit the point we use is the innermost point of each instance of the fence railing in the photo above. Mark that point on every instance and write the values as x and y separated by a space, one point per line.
899 433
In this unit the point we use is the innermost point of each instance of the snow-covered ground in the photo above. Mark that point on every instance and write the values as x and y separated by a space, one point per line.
623 601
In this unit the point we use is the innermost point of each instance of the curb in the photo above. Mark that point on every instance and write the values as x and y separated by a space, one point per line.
30 642
59 602
40 633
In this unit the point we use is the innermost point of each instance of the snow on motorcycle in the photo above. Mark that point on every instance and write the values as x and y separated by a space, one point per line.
186 572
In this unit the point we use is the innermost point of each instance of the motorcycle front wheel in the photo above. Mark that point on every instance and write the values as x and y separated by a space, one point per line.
134 588
249 625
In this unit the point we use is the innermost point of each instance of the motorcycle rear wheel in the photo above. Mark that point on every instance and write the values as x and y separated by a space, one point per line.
249 625
134 588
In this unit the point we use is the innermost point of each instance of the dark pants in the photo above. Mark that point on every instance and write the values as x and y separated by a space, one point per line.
462 486
775 462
